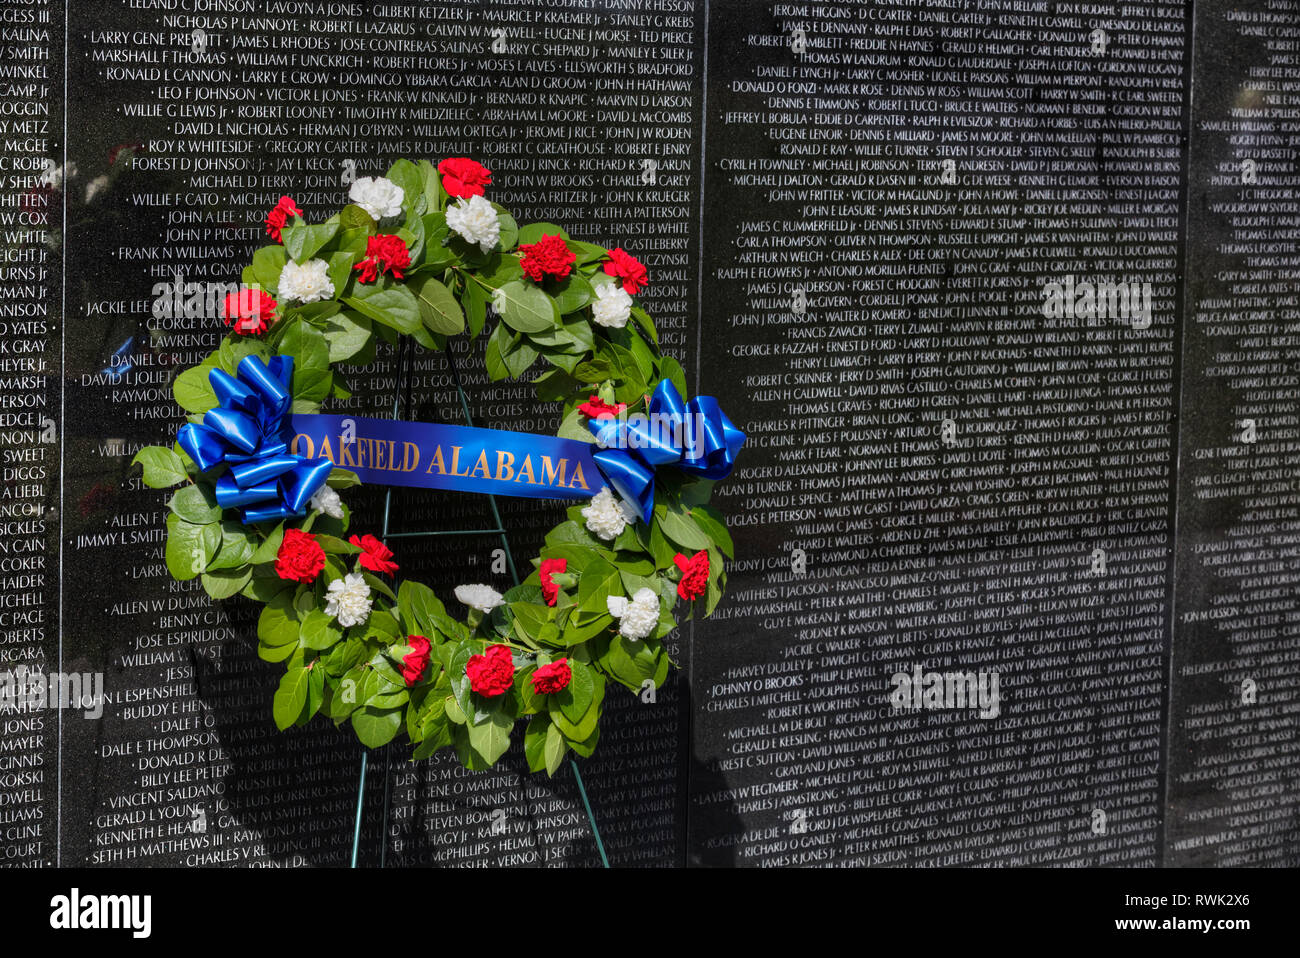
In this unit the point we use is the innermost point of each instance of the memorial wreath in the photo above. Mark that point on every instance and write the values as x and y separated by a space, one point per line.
421 252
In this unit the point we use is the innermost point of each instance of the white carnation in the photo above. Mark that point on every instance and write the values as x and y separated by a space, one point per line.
637 618
481 597
327 501
348 600
476 221
95 186
612 306
607 515
54 176
378 196
308 283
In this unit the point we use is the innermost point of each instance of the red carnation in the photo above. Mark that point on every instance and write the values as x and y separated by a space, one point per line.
595 408
384 254
463 178
300 558
549 679
549 256
491 673
375 556
627 267
251 311
278 217
695 575
551 591
417 660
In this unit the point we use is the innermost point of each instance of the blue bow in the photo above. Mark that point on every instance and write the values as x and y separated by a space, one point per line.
695 437
249 429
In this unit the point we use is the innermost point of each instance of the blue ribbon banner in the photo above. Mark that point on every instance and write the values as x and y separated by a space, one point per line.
391 452
278 461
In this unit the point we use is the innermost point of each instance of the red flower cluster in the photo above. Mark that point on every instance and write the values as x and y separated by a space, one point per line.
549 679
491 673
695 575
595 407
375 556
627 267
278 217
551 591
384 254
463 178
549 256
300 558
251 311
417 660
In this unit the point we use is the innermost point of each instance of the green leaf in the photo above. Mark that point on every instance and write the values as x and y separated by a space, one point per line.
573 294
162 467
525 307
586 252
474 299
223 583
519 358
195 504
407 175
190 547
376 727
681 530
576 697
533 232
390 304
346 334
290 698
419 607
491 737
438 307
278 623
498 342
270 548
192 390
302 242
342 479
710 520
319 630
599 581
311 358
268 263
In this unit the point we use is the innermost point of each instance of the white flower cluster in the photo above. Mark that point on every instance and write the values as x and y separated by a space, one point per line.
54 175
327 501
481 597
95 187
348 600
308 283
637 618
607 515
475 220
612 306
377 195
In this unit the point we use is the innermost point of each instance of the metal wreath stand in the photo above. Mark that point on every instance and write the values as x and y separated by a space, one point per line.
401 403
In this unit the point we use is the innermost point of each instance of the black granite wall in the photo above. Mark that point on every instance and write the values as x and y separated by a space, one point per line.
1004 294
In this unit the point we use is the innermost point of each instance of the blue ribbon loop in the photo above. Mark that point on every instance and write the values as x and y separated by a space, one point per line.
249 430
695 437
